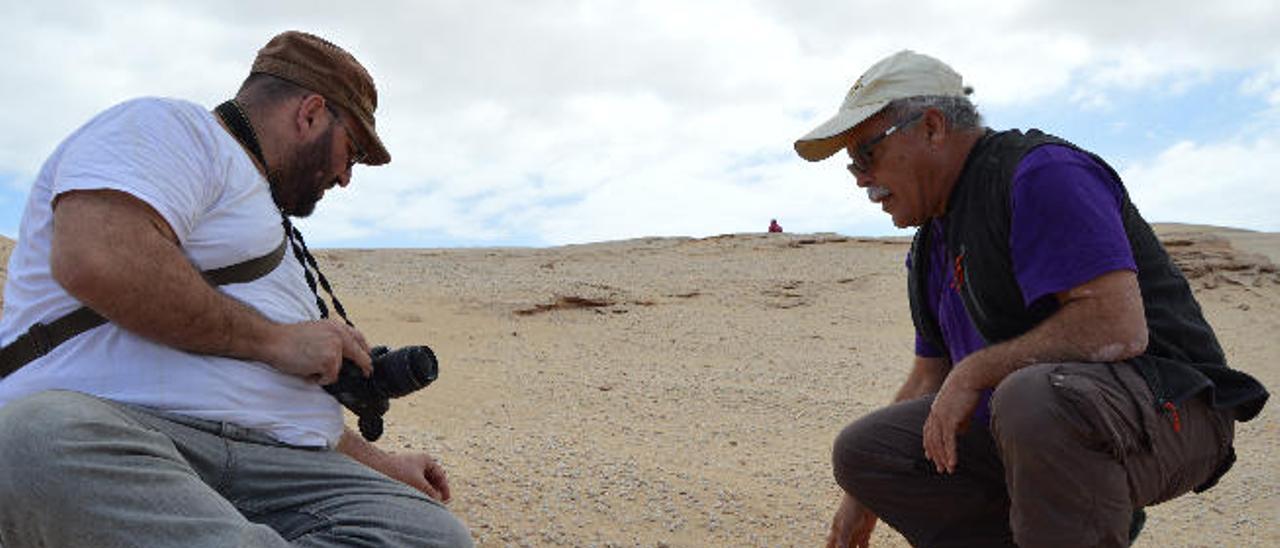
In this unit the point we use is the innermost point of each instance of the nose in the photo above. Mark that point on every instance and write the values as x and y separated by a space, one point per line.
862 179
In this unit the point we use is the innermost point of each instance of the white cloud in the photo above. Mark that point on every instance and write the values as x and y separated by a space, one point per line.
1227 184
1265 84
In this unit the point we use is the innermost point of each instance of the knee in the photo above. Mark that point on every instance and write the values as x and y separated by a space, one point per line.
854 440
858 452
1022 410
443 529
456 534
440 528
404 519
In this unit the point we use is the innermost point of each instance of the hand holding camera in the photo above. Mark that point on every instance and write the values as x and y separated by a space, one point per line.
395 374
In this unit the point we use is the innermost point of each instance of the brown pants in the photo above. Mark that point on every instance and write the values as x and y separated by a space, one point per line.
1065 461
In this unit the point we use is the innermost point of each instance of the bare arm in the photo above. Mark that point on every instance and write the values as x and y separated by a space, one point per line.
119 257
926 377
116 255
418 470
1102 320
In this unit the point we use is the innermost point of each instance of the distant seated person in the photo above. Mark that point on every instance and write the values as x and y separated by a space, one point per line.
774 226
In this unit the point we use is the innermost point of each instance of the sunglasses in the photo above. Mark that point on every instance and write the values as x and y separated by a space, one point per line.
353 158
862 154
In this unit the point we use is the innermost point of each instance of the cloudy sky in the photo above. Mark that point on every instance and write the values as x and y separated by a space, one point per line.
546 122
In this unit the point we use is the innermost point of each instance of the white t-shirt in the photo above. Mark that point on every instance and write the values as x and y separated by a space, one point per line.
174 156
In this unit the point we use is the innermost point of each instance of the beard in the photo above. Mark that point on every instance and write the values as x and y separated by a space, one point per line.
300 181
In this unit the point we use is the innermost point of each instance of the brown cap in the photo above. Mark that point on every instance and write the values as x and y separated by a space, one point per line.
318 65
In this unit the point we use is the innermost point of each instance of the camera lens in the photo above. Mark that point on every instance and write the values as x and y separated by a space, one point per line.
404 371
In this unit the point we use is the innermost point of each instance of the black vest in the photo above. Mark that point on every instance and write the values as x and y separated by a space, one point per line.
1183 356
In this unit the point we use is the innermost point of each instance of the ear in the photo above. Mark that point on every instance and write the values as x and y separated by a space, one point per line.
309 113
935 125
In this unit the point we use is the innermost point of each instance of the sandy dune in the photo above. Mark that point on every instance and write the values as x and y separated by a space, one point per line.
685 392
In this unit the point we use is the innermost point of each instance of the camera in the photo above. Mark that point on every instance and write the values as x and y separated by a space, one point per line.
395 374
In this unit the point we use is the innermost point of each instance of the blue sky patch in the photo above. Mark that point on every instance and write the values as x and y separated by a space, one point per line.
1139 124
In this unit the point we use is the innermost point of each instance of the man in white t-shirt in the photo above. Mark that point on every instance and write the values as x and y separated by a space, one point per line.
195 416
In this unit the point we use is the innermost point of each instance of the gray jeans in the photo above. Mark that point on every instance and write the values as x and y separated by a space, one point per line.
1073 449
81 471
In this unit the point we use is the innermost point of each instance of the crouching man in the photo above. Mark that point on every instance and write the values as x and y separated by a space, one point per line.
1064 375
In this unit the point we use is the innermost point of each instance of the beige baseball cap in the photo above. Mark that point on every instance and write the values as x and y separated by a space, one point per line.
898 76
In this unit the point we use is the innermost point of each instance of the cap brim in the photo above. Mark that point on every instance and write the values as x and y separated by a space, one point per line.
826 139
376 153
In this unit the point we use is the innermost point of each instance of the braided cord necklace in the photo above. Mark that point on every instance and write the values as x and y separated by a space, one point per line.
242 129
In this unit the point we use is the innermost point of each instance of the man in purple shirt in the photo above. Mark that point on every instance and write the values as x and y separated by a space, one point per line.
1064 375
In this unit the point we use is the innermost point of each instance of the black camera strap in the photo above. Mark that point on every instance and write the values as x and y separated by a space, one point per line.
242 129
369 412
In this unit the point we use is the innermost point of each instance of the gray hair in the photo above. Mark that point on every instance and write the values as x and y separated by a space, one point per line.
960 112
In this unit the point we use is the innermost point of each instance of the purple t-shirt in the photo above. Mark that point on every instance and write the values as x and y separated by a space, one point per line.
1066 230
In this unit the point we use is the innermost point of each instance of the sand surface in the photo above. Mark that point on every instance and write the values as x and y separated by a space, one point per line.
685 392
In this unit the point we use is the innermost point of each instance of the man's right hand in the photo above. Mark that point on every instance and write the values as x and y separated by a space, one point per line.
314 350
852 525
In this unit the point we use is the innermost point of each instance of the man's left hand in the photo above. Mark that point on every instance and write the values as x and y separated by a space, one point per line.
948 416
420 471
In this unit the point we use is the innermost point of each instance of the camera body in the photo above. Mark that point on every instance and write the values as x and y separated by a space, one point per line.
395 374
